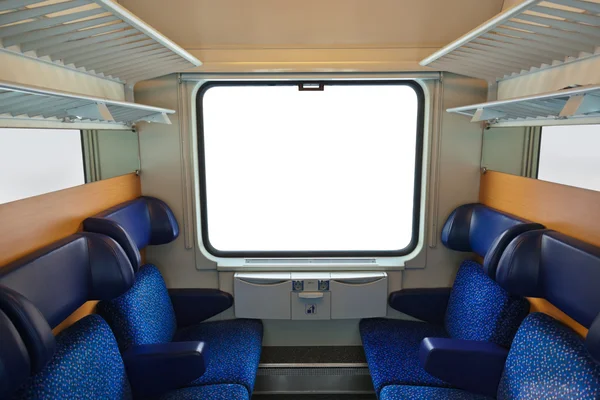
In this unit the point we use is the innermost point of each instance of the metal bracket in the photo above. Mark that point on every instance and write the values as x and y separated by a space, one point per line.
160 118
97 111
580 104
483 114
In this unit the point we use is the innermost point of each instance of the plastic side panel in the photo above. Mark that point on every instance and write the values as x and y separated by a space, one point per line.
311 305
262 300
358 300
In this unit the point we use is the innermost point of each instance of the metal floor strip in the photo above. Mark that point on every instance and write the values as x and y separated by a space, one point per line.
332 378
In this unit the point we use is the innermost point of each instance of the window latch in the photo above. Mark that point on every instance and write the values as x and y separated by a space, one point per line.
311 87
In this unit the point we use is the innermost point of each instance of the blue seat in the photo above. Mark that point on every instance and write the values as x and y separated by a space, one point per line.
87 364
398 392
84 360
547 360
145 314
476 308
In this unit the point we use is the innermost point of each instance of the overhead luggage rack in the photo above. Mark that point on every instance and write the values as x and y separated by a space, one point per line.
19 102
573 104
530 37
98 37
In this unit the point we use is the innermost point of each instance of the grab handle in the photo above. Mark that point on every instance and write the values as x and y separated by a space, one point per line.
310 295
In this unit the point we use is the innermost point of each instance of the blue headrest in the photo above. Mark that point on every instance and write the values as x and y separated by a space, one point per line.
15 366
31 325
135 225
560 269
484 231
59 278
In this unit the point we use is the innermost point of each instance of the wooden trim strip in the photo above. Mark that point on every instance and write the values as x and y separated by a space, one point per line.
32 223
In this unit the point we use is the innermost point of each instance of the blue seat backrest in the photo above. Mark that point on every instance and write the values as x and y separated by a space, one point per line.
548 360
144 314
86 365
135 225
484 231
478 308
59 278
561 269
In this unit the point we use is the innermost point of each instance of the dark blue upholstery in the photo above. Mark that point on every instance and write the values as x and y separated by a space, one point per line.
144 314
425 304
563 270
592 340
547 360
135 225
427 393
154 369
210 392
86 364
392 351
86 266
484 231
193 306
479 309
30 325
232 350
472 365
14 358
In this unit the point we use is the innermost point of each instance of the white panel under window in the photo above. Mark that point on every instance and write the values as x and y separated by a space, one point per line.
570 155
38 161
310 171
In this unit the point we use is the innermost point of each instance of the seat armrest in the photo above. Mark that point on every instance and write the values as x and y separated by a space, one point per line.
467 364
154 369
425 304
193 306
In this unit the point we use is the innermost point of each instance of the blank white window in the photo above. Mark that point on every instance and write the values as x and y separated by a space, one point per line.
326 172
38 161
569 155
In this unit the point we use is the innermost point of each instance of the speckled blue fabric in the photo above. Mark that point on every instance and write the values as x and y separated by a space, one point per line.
85 365
144 314
548 360
392 351
210 392
479 309
427 393
232 351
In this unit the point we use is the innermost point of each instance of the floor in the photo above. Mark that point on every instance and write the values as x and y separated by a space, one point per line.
313 355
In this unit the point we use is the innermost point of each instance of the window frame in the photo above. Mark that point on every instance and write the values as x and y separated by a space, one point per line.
418 171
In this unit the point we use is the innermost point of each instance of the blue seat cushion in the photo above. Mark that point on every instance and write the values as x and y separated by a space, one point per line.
232 351
392 351
548 360
395 392
86 364
209 392
479 309
144 314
